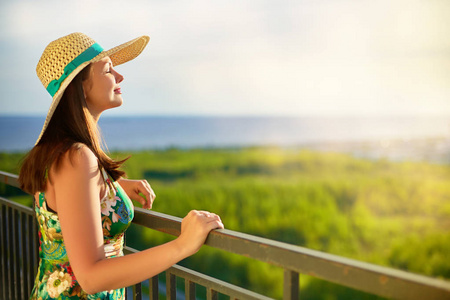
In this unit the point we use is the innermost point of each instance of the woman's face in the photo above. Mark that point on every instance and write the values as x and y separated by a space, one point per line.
101 89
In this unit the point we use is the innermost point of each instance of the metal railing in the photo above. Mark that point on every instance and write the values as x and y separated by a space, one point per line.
19 253
18 259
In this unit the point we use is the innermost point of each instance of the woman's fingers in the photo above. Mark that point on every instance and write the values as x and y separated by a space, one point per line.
211 219
139 190
145 194
216 223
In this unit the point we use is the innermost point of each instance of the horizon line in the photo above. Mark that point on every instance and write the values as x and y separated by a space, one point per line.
199 115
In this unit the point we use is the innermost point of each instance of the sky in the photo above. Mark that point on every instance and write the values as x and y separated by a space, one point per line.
242 57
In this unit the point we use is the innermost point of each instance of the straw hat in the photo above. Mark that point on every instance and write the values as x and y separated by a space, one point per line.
65 57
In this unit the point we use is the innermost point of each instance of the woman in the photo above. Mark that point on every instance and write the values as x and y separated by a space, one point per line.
82 201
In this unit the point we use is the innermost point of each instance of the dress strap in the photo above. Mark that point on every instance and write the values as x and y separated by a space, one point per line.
107 178
104 174
41 199
42 194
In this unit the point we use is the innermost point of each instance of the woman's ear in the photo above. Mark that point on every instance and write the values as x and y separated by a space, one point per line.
86 86
86 83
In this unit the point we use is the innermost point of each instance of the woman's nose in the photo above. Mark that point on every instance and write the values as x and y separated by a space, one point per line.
119 77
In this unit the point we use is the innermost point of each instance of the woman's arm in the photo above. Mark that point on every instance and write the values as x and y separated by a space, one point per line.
77 186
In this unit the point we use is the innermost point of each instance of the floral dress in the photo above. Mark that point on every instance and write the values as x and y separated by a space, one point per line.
55 278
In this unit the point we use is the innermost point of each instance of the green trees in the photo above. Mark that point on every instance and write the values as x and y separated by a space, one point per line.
389 213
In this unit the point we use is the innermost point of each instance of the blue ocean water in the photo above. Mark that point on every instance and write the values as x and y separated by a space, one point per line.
354 134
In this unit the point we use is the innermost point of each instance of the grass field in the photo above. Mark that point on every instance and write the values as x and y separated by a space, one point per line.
394 214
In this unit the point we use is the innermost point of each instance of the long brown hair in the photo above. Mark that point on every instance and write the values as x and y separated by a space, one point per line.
70 127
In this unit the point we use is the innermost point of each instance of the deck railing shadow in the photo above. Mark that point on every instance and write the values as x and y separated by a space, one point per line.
19 259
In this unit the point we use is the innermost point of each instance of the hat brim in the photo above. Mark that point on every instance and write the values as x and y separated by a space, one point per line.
118 55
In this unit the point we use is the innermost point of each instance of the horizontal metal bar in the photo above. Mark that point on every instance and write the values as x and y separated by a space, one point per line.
17 206
9 179
204 280
382 281
215 284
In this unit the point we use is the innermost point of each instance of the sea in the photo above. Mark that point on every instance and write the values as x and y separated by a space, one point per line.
420 138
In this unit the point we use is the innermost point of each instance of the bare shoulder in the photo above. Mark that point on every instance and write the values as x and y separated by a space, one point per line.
77 173
78 158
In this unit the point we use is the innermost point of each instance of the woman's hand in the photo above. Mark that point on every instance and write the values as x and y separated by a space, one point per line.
136 188
195 227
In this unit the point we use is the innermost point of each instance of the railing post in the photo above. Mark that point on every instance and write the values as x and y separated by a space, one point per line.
154 289
35 247
291 285
3 252
137 291
10 263
211 294
171 286
31 252
189 288
23 255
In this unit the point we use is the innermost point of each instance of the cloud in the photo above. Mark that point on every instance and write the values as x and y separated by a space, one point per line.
243 57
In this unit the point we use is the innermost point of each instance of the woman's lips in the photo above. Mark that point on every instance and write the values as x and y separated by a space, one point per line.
118 91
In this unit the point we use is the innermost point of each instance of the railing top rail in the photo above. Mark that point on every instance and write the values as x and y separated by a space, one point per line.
10 179
363 276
